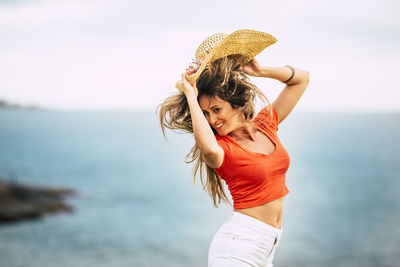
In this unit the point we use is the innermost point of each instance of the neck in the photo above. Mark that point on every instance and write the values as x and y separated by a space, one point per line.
246 131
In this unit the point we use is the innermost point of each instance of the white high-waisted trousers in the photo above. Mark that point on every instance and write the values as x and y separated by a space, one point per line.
244 241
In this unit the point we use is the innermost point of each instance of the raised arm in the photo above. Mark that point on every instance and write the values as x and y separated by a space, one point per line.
293 90
212 153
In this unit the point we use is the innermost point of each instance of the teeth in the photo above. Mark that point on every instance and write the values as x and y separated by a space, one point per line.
219 125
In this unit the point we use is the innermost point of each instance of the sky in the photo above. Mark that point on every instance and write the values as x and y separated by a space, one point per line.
118 55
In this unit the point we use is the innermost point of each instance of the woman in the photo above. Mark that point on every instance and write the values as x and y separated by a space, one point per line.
216 104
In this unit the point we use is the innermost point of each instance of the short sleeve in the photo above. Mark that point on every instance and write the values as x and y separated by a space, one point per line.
226 146
268 120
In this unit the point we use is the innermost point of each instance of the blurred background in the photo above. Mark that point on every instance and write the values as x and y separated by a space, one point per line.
79 86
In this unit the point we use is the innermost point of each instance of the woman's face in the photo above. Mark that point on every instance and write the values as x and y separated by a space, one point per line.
220 115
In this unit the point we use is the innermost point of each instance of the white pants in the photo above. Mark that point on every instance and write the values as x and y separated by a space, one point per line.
244 241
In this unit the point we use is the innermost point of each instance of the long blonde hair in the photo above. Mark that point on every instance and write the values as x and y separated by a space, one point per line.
223 78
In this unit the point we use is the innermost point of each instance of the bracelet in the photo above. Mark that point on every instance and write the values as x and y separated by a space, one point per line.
291 77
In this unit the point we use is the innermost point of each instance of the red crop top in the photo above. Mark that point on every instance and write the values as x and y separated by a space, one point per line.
254 178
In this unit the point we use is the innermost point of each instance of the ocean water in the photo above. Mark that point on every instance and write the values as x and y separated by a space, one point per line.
137 204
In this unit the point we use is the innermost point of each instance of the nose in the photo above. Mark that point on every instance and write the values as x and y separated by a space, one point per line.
212 119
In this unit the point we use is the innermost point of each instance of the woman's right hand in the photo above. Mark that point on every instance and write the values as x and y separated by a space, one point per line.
187 88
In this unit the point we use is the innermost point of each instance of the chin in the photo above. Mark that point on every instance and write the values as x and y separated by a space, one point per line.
221 133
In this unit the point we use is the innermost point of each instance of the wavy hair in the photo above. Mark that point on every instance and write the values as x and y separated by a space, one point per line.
224 78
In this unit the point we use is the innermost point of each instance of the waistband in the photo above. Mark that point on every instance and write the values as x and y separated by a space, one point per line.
238 217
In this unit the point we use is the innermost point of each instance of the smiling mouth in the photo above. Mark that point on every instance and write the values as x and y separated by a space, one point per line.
218 125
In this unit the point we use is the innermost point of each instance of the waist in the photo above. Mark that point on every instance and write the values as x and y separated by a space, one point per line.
240 218
269 213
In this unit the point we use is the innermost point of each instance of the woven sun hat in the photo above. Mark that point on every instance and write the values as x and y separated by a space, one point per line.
245 42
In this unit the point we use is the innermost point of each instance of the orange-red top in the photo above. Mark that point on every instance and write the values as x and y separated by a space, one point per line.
254 178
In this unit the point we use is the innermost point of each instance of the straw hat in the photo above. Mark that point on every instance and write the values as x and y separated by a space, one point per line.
246 42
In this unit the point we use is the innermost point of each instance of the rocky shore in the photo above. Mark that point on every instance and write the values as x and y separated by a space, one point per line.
8 105
18 202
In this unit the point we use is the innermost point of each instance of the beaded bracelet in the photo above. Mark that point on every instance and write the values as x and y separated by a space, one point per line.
291 77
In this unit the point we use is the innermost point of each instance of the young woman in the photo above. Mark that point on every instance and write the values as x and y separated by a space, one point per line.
216 104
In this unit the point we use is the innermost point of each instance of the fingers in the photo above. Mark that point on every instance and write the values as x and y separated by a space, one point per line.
255 62
187 87
187 73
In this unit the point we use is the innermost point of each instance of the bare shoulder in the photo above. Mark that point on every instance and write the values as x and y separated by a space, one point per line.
214 159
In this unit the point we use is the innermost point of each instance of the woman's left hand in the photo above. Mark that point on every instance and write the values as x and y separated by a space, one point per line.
252 68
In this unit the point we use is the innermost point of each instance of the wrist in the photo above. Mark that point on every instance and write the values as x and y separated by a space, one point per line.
191 97
264 72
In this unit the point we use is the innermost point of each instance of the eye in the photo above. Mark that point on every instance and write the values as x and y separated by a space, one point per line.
217 110
205 113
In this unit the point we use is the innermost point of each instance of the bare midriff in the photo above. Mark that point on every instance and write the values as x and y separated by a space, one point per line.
269 213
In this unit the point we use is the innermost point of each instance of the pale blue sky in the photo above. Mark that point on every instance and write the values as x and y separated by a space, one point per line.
95 54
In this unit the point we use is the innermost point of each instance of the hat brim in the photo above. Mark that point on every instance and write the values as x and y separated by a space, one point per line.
245 42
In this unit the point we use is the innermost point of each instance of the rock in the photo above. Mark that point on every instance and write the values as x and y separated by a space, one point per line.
19 202
8 105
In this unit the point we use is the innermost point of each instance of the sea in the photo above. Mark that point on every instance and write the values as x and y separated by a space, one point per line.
137 203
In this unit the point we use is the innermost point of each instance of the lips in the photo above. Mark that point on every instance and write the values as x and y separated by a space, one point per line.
218 126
